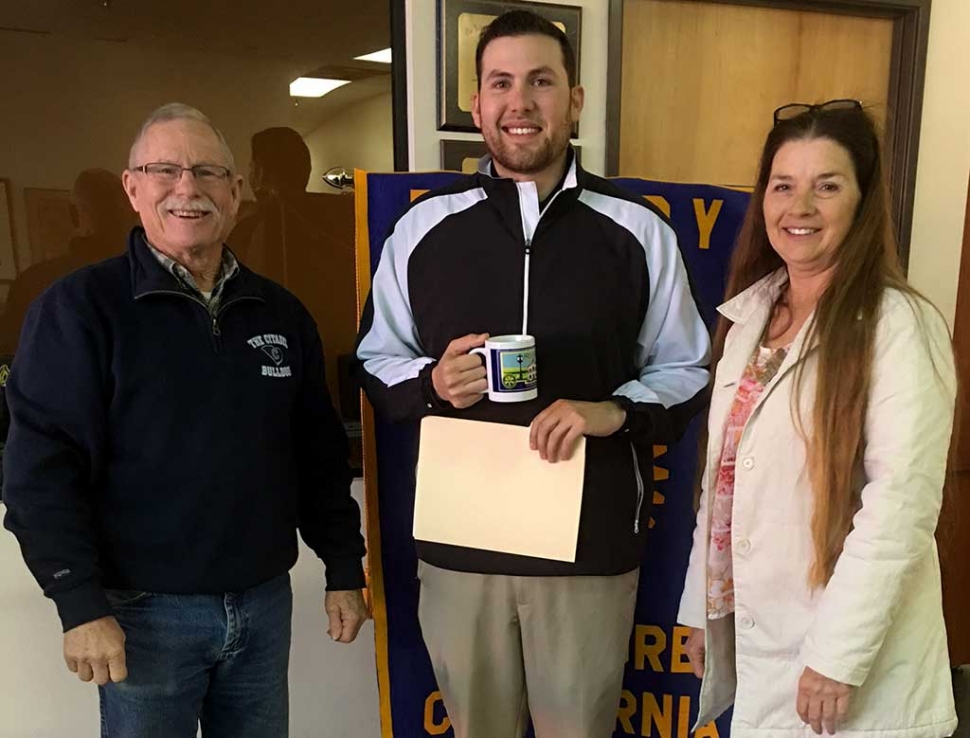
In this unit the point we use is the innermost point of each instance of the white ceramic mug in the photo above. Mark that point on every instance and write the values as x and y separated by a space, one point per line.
511 365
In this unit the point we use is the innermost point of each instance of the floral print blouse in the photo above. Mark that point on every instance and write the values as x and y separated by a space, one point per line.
764 364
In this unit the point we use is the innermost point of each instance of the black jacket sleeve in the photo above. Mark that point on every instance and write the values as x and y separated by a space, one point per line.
392 365
53 455
673 350
395 378
329 516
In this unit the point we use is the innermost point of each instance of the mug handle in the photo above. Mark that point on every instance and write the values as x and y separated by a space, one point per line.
483 352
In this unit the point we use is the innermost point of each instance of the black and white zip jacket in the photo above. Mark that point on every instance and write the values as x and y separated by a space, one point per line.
597 277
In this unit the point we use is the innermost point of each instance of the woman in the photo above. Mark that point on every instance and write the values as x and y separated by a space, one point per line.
813 589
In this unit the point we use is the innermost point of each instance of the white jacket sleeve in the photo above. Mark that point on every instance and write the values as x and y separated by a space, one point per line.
907 435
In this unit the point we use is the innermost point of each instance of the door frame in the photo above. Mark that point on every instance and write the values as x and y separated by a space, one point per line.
960 451
911 28
399 83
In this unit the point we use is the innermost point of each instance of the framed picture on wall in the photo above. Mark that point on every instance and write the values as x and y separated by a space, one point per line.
49 223
8 248
460 23
462 156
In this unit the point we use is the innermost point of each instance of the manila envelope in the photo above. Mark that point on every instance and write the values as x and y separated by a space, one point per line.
479 485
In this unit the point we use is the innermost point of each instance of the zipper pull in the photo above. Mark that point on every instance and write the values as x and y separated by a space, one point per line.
215 328
636 525
528 246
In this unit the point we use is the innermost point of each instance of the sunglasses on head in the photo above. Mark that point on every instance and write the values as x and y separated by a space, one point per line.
793 110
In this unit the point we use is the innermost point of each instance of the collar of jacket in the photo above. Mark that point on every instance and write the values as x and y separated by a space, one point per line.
759 297
148 275
750 311
573 180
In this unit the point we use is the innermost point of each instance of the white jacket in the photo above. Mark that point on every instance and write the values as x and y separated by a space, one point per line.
878 624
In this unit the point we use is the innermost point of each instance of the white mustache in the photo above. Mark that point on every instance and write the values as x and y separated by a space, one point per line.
201 205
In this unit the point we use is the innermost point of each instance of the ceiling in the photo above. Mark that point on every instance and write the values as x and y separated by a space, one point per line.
308 35
314 32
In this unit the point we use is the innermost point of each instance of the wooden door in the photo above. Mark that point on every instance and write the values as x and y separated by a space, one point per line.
954 532
700 81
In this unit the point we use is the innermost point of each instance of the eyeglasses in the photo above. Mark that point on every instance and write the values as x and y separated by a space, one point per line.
161 171
793 110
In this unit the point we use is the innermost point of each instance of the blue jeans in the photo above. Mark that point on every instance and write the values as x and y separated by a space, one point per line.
220 660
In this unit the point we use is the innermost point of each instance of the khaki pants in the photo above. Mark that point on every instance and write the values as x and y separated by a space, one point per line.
504 646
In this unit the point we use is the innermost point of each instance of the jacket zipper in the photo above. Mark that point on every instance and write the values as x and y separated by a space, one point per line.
525 289
529 236
216 330
225 306
640 491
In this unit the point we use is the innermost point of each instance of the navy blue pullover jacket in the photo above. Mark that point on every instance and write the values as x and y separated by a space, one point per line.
154 447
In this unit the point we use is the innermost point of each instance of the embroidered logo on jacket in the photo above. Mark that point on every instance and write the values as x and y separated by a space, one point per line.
275 353
274 347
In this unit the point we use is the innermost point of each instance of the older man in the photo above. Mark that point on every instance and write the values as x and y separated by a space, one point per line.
171 429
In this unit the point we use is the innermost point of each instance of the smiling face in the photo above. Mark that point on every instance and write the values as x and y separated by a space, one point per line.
810 203
184 215
524 105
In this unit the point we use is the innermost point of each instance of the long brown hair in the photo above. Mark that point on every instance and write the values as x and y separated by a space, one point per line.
843 326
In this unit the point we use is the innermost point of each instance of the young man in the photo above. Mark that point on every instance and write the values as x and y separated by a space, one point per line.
534 244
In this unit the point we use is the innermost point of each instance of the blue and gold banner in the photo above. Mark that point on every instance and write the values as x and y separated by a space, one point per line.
660 692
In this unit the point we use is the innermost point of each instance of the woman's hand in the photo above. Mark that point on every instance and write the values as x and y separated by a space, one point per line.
822 702
695 651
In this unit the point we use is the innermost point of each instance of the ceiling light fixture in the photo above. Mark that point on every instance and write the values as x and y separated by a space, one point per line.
314 86
383 56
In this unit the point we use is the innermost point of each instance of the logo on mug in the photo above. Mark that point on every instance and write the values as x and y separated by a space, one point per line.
510 362
517 368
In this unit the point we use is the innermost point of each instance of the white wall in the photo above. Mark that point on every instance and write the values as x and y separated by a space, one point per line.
944 157
360 136
333 687
69 104
424 138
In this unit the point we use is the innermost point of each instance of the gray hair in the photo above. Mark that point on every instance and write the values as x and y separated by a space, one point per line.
179 111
